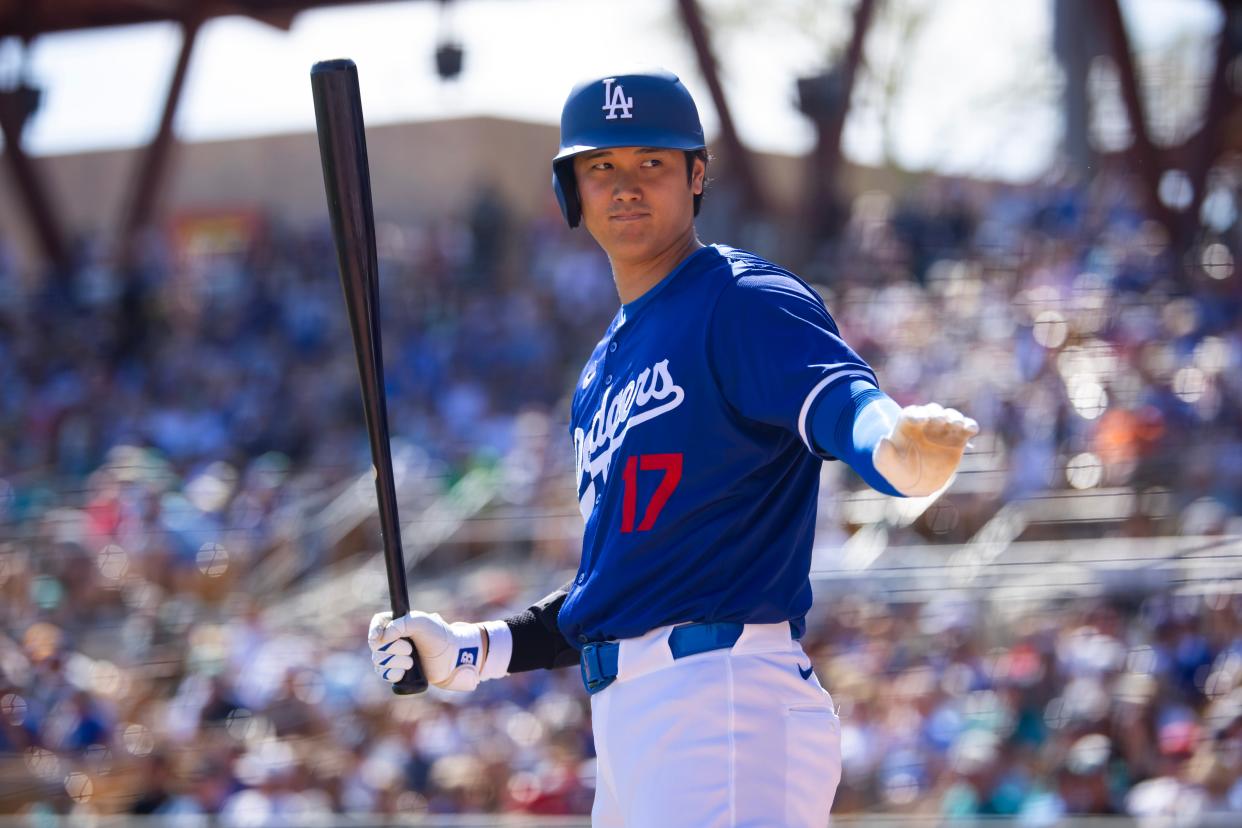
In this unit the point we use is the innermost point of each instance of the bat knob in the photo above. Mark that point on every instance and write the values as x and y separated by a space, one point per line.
415 680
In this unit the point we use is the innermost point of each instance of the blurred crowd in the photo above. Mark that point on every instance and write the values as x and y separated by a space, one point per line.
157 421
1094 706
1066 324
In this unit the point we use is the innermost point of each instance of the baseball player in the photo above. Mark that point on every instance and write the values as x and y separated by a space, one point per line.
699 424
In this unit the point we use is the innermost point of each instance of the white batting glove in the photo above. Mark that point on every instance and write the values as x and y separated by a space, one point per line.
452 655
924 448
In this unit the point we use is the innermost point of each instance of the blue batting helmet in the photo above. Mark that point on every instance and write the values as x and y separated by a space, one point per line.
645 109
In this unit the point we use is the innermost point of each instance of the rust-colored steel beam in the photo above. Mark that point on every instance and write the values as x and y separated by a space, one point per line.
825 212
28 18
738 159
14 109
1206 145
1148 161
149 178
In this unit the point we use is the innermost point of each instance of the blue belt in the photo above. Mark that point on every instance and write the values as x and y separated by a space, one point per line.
599 658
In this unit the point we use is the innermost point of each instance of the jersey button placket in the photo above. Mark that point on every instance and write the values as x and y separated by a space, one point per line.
612 349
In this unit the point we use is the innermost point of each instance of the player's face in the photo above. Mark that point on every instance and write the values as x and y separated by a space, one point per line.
637 202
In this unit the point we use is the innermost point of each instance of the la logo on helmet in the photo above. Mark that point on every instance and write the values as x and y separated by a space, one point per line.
615 99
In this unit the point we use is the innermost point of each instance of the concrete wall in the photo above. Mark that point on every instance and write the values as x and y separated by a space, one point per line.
418 170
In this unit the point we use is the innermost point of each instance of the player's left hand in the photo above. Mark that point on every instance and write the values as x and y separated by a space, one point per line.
924 448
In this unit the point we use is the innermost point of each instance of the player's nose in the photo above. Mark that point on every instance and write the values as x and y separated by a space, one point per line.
626 188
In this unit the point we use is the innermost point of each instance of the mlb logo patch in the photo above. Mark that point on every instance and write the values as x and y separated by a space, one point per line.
468 656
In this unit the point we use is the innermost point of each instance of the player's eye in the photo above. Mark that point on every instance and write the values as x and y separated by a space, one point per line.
653 162
601 165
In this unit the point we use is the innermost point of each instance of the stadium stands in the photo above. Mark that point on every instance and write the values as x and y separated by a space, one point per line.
183 596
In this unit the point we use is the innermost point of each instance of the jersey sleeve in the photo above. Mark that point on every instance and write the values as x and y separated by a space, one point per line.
774 350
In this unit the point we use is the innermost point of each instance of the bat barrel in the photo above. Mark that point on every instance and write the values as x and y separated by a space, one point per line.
325 67
347 182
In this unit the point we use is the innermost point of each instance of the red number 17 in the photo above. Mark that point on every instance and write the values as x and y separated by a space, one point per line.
670 464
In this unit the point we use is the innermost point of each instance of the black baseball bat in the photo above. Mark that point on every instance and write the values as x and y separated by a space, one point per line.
347 182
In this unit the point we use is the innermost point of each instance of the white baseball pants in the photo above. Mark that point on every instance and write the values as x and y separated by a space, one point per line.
734 737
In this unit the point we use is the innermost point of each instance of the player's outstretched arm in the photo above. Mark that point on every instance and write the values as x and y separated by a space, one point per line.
924 448
911 451
454 656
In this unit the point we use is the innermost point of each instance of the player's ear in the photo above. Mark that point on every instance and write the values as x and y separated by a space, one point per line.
698 175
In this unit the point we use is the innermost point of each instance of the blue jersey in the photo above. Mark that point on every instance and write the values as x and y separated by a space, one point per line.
696 475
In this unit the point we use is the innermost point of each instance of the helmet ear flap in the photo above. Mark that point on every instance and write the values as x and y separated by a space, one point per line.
566 188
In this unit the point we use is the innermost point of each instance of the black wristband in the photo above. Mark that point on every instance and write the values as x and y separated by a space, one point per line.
538 643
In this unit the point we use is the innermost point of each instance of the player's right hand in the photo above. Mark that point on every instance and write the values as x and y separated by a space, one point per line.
451 654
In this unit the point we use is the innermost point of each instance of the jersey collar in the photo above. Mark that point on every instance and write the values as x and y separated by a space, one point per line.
631 309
